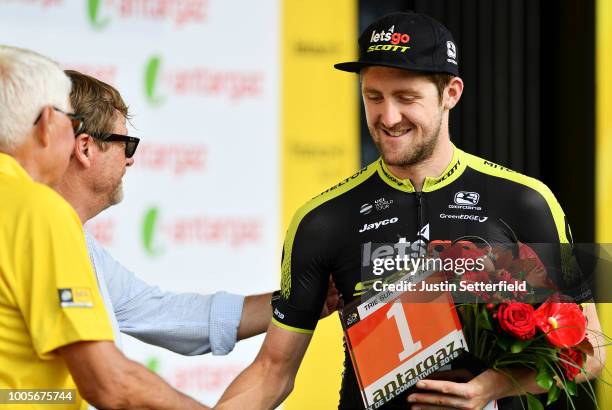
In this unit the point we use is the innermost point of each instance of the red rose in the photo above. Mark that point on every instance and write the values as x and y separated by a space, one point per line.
563 323
571 361
516 319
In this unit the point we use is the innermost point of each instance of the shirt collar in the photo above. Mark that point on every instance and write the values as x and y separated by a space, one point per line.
11 168
454 169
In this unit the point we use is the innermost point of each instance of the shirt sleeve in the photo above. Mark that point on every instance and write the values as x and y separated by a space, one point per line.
55 287
306 267
541 224
185 323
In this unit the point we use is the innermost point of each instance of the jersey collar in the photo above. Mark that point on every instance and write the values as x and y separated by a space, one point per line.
454 169
11 168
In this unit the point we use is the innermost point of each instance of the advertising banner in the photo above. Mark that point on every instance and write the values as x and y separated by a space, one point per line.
201 207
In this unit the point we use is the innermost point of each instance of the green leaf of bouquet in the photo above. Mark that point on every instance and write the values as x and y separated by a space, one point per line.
570 388
504 343
553 394
484 319
544 378
519 345
533 403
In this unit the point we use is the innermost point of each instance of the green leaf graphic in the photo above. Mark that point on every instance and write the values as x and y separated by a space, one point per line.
151 77
148 231
93 12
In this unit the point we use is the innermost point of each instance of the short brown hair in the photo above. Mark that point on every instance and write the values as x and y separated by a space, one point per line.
97 102
440 80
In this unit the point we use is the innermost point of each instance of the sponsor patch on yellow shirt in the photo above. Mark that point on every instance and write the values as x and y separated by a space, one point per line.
75 297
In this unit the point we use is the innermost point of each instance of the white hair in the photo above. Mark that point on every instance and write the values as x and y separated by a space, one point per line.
28 83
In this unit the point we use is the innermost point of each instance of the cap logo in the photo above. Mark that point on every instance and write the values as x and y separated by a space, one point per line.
451 52
390 36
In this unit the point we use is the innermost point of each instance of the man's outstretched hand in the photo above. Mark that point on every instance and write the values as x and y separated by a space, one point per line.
334 300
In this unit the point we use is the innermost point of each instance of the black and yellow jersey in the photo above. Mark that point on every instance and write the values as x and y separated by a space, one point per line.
373 214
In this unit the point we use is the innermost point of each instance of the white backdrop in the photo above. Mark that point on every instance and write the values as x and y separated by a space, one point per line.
201 207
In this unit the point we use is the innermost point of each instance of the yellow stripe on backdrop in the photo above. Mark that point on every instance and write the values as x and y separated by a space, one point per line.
320 146
603 152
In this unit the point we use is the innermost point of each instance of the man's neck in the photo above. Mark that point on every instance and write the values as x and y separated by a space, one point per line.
30 163
431 167
75 192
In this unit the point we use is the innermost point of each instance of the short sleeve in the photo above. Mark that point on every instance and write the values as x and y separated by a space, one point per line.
54 283
306 267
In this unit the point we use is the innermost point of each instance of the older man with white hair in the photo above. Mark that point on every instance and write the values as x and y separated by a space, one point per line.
55 331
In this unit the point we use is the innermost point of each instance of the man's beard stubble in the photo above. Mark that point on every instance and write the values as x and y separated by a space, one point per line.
417 154
116 195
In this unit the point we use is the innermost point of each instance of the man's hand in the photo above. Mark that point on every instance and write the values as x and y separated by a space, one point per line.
443 394
334 300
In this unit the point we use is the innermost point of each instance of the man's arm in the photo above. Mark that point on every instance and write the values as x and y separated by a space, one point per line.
107 379
257 311
256 315
185 323
269 379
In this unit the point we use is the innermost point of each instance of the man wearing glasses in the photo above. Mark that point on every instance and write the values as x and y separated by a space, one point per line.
92 183
55 331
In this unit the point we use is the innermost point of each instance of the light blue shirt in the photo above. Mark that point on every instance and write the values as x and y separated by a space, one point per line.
185 323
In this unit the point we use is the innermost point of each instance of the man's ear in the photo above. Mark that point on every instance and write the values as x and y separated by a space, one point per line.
43 126
452 93
83 149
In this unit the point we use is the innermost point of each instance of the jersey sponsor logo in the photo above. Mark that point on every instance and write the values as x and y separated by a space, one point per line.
449 173
476 218
401 248
382 204
278 314
424 232
376 225
389 176
366 209
338 185
466 200
497 166
75 297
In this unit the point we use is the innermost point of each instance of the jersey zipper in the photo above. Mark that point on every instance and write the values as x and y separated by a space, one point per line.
419 197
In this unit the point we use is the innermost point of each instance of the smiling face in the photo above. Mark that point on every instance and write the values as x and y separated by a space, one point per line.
405 114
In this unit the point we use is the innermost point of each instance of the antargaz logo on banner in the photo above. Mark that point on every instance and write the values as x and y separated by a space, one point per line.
180 12
235 231
148 231
93 12
200 81
152 73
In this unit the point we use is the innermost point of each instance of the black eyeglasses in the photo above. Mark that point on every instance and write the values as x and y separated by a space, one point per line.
131 143
76 120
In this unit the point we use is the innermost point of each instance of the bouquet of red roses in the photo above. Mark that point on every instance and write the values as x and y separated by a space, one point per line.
505 331
550 339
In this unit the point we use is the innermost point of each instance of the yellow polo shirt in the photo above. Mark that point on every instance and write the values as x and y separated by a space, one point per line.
48 291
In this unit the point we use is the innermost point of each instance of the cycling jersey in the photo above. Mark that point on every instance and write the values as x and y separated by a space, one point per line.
344 228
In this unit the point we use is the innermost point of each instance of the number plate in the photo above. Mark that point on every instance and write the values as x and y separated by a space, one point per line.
398 338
